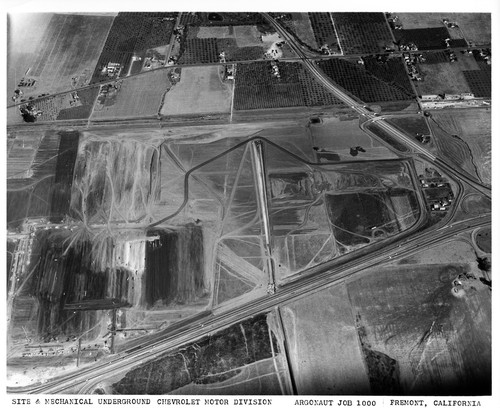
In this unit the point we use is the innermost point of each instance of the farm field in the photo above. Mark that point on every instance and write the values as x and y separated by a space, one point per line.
201 90
361 84
473 126
362 33
333 367
473 27
138 96
64 106
432 38
257 87
205 44
417 337
69 47
445 77
133 34
324 31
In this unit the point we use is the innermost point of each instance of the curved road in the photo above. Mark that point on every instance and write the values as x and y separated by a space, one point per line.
317 278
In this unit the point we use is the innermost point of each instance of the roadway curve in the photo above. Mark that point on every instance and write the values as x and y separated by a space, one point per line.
362 110
318 277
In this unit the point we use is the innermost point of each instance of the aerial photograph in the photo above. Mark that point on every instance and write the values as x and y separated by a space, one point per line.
249 203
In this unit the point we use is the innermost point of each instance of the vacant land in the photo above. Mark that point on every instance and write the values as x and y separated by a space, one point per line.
45 192
474 27
235 359
472 149
302 28
483 239
138 96
69 47
415 124
442 78
436 343
200 91
339 136
320 367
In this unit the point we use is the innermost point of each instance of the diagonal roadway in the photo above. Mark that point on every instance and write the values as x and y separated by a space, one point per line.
361 109
317 278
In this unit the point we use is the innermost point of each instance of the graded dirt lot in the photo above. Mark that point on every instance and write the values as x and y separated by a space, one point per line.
338 136
473 126
438 343
199 91
320 367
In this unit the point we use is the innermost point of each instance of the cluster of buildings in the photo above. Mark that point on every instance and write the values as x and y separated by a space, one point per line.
437 191
411 61
113 69
26 82
275 69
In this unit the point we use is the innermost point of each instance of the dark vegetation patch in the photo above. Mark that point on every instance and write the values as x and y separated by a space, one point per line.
423 38
213 359
386 137
131 34
391 70
483 240
411 124
356 217
235 53
47 193
229 19
324 32
362 33
258 88
63 277
363 84
174 266
199 50
479 82
87 97
61 195
383 371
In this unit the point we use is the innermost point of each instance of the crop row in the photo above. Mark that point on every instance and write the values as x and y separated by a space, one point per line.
259 87
362 84
362 33
133 34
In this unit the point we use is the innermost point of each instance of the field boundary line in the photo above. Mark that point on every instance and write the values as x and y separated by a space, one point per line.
336 34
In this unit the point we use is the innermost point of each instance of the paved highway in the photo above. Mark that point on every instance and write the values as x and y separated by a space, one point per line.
361 109
310 281
317 278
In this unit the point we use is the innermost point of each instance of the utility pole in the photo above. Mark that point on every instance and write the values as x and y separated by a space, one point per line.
113 331
79 350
